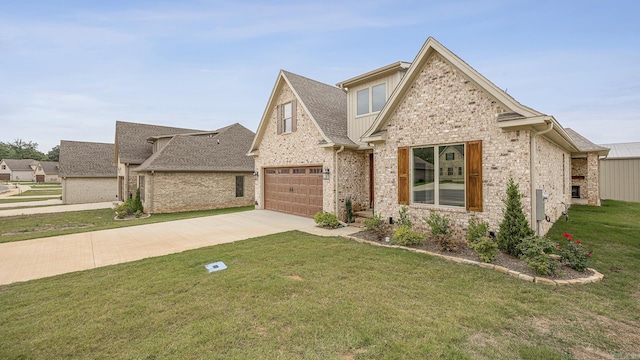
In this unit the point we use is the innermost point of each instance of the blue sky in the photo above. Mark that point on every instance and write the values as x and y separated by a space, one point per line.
70 69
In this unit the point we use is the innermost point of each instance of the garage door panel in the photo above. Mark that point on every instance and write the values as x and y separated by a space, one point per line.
296 190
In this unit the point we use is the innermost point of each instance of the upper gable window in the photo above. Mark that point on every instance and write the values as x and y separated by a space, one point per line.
286 118
371 100
4 167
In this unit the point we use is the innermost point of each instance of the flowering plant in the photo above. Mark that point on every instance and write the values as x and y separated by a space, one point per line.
573 254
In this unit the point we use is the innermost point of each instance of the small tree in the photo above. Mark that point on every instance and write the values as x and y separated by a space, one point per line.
514 227
348 210
137 204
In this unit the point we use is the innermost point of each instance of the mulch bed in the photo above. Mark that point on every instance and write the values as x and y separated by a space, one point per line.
502 259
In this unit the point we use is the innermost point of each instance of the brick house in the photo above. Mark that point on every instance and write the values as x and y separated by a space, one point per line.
434 135
87 172
46 172
17 169
197 171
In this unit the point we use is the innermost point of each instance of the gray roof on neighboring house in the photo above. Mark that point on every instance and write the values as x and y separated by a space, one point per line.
131 140
583 143
327 105
20 164
49 167
225 151
86 159
623 150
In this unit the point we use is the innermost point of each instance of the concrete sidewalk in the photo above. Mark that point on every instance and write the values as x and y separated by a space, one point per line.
39 258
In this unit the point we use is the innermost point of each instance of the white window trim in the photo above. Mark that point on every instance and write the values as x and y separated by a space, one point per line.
370 88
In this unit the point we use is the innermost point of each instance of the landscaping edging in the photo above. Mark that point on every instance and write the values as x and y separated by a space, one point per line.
143 216
596 277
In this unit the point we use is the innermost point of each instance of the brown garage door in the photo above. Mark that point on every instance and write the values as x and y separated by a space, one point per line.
40 178
5 176
295 190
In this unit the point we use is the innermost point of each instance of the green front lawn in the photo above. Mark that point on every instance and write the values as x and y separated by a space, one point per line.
299 296
17 200
40 192
24 227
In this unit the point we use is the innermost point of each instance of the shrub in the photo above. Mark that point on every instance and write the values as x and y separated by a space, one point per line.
535 251
404 217
441 231
573 254
406 236
349 210
326 219
477 229
137 203
123 210
377 225
514 227
485 247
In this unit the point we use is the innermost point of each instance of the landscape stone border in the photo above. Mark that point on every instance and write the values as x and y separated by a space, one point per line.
596 277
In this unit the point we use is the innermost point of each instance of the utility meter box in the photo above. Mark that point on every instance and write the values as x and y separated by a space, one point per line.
540 199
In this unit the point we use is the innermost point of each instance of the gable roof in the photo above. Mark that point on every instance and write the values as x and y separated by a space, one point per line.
623 150
518 117
86 159
131 146
326 105
20 164
49 167
223 151
584 145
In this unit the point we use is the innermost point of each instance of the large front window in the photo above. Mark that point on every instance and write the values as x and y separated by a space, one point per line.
442 187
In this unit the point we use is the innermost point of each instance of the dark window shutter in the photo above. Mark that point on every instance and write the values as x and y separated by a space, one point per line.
403 175
294 115
474 175
278 119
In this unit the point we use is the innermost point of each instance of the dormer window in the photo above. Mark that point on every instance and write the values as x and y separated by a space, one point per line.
371 100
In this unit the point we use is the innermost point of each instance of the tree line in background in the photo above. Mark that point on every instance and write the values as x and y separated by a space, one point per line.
20 149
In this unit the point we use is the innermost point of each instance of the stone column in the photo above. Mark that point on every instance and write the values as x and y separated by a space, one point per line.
593 179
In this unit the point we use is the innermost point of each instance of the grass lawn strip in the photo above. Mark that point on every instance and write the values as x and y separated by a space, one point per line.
40 192
25 227
295 295
17 200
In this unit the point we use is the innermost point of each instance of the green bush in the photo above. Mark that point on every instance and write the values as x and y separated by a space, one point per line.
535 251
326 219
514 227
406 236
477 229
441 232
404 217
485 247
137 203
349 210
377 225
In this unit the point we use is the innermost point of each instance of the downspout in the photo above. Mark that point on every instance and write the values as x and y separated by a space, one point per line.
336 180
532 182
150 191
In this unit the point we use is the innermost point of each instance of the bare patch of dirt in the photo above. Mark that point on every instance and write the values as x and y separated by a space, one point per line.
502 259
295 277
47 229
132 217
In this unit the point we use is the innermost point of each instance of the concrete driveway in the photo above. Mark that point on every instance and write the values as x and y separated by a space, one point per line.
39 258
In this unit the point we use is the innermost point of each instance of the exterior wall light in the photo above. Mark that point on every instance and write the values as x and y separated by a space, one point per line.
326 174
256 174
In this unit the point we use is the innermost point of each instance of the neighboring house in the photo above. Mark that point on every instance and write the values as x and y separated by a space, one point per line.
17 169
620 172
585 170
87 172
46 171
208 170
318 145
132 149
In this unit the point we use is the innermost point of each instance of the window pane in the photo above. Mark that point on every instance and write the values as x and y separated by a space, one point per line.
239 186
378 97
363 102
451 186
423 175
287 125
286 111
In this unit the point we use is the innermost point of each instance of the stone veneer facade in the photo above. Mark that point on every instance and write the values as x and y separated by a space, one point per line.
189 191
302 148
444 107
586 175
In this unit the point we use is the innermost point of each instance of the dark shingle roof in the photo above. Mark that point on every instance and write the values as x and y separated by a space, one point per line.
86 159
225 151
327 104
20 164
131 140
49 167
583 144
